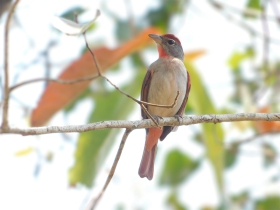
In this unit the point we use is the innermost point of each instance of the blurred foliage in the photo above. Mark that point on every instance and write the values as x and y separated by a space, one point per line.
93 147
237 57
254 4
240 200
269 154
70 14
173 202
230 155
24 152
161 16
213 135
269 203
178 166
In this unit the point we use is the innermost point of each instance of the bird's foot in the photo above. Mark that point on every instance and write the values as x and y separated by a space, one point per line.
157 118
179 118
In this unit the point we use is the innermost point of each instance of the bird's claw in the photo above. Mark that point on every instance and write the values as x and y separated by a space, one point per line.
157 118
179 118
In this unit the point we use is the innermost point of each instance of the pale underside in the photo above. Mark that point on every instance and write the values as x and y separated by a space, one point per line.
169 76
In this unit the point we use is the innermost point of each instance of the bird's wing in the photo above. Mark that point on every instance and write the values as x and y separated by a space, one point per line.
168 129
183 106
145 90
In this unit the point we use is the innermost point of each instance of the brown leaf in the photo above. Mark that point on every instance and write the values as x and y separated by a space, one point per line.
56 96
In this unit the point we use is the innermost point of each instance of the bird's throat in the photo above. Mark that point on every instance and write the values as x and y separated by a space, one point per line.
162 52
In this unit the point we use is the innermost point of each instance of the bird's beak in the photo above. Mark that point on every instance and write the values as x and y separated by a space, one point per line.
156 38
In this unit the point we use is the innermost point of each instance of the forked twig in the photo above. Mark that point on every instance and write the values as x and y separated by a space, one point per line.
95 201
93 55
5 124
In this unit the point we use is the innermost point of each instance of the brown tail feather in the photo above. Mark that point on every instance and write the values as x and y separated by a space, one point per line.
146 168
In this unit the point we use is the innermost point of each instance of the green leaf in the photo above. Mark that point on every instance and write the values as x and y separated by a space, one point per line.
213 134
70 14
174 203
240 199
93 147
174 6
178 166
268 203
72 105
161 16
237 57
230 155
123 30
158 18
269 154
254 4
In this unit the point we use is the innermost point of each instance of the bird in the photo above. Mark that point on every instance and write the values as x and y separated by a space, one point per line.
164 78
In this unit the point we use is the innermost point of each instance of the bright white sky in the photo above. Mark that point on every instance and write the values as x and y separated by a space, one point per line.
200 28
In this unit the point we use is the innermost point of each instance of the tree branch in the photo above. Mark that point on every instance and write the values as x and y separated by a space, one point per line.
139 124
5 124
94 201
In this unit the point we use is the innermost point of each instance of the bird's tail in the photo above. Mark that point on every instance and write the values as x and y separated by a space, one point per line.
146 168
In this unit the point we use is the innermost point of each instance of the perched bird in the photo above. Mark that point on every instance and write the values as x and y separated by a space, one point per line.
164 78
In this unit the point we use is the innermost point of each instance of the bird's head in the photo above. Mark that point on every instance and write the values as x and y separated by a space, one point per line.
168 45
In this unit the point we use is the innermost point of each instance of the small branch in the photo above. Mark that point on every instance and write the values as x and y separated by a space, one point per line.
95 201
247 11
148 123
242 24
148 114
275 10
67 82
254 137
93 56
143 102
5 124
266 39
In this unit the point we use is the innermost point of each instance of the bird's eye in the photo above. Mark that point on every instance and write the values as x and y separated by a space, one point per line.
171 42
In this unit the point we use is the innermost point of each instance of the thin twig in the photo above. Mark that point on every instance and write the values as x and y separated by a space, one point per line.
258 135
131 21
66 82
5 123
144 102
147 123
242 24
247 11
95 201
275 10
93 56
149 115
266 39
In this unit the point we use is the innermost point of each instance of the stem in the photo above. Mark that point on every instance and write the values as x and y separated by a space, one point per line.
5 124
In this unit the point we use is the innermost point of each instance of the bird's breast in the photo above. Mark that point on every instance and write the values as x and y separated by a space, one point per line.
169 76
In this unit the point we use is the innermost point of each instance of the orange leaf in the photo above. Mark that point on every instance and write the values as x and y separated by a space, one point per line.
56 96
191 56
264 126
